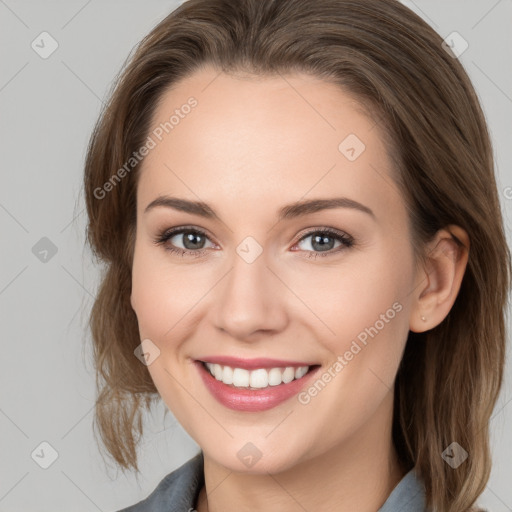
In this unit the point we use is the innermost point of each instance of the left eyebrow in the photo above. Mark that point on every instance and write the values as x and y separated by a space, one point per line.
315 205
289 211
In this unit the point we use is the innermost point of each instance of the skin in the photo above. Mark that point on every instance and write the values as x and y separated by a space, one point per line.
250 146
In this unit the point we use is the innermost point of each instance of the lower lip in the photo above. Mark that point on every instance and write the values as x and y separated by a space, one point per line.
249 400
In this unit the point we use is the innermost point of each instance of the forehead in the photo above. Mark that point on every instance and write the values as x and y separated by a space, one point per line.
264 138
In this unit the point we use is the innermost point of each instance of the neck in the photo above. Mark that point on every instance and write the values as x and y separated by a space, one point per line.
357 474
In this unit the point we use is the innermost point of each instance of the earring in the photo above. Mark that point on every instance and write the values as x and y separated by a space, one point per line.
423 318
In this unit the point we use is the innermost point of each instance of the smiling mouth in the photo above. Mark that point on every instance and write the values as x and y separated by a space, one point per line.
259 378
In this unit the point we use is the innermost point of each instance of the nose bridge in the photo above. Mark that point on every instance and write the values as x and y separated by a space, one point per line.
249 269
250 299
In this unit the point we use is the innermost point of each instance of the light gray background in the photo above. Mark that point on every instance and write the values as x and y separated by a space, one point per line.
48 108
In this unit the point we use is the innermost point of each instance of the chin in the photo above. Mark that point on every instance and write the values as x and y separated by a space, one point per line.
254 458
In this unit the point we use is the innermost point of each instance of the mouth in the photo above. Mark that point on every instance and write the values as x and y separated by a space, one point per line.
254 389
258 378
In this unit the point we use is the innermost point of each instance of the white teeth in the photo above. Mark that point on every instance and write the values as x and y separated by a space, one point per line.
259 378
256 379
274 376
240 378
301 371
227 375
288 374
217 371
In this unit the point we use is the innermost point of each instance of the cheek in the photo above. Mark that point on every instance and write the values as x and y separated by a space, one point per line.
161 296
367 310
354 297
154 301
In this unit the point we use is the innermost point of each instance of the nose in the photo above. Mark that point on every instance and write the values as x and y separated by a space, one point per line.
251 300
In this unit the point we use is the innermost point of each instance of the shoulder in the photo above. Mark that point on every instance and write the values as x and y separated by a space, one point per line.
176 491
409 494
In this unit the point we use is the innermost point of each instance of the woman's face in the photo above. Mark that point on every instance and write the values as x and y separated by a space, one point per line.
262 280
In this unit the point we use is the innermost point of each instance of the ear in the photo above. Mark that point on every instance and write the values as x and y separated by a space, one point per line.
438 285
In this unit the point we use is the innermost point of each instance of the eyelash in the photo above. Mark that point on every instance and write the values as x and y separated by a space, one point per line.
346 240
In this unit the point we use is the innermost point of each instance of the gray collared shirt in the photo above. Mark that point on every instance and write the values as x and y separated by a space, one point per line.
179 490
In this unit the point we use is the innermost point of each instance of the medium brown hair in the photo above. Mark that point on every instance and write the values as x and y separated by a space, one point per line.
393 62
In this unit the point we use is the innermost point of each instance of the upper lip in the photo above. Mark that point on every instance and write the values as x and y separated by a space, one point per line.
253 364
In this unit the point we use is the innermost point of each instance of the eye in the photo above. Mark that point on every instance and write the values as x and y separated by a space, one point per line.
323 241
193 240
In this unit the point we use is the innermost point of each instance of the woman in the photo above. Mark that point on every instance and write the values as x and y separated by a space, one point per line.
305 259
